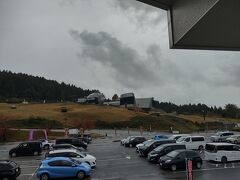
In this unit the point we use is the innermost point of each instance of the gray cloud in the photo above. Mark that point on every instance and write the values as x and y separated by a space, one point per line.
140 13
130 68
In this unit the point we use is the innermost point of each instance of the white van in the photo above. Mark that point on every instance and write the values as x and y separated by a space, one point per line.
222 152
193 142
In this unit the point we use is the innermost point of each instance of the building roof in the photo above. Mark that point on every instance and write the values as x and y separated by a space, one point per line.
144 102
207 25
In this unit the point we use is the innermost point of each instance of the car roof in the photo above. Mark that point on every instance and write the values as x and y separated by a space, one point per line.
56 159
172 144
220 144
62 151
30 142
193 136
63 145
184 150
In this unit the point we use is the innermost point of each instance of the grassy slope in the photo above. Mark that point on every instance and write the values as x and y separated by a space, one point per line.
75 112
78 112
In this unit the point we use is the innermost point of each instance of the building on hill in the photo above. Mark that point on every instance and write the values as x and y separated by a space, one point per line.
115 97
144 103
81 100
127 100
95 98
112 103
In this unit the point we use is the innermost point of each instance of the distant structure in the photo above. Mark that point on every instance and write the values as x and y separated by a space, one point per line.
144 103
112 103
115 97
127 100
94 98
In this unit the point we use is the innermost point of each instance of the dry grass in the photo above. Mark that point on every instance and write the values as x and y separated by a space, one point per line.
75 112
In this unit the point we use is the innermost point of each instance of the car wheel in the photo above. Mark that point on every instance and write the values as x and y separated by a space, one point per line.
44 177
13 154
46 147
200 148
224 160
130 145
173 167
80 175
199 165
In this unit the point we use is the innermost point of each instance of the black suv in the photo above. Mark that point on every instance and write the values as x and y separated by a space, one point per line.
177 160
154 155
134 141
27 149
73 141
149 146
9 169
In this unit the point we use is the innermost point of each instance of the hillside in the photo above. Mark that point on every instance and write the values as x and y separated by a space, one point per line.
75 112
92 116
18 86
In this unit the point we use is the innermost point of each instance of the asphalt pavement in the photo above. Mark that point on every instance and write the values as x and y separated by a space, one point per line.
115 162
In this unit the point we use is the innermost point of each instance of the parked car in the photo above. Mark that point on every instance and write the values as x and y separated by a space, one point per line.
74 141
9 170
160 136
177 136
88 137
162 150
74 154
222 152
193 142
125 140
177 160
45 143
234 139
67 146
139 146
221 136
61 167
134 141
148 147
26 149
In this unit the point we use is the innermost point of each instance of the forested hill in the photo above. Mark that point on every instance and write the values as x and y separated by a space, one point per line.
18 86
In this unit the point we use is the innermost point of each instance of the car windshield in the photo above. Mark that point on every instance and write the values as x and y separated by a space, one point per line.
172 154
82 154
148 143
234 136
181 139
159 148
75 161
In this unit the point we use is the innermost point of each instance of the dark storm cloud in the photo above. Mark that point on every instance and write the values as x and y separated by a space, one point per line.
131 69
140 13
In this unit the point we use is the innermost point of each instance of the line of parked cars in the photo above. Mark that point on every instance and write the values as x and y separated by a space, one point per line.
173 151
65 158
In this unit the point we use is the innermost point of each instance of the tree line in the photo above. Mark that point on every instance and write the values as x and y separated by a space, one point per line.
19 87
229 110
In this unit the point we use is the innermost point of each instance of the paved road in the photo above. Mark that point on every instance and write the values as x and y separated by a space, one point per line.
115 162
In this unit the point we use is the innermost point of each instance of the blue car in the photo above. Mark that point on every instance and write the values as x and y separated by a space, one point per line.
62 167
160 137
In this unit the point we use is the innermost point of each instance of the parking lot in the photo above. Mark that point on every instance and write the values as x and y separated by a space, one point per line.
117 162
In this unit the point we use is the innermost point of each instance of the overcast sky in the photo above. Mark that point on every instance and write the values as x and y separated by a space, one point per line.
115 46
